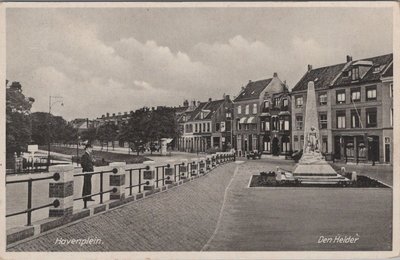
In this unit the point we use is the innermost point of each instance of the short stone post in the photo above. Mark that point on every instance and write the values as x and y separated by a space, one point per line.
61 189
354 176
278 174
183 169
213 161
208 162
202 166
117 180
169 172
148 175
343 171
194 166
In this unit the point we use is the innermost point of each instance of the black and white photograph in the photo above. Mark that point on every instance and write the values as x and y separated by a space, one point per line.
210 130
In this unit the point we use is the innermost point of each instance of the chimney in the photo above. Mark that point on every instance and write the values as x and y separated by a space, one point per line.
309 67
349 58
227 98
186 103
102 116
194 103
125 113
209 99
275 75
113 114
198 102
249 81
108 114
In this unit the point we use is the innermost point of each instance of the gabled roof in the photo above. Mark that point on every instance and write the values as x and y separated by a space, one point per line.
332 75
322 77
382 61
253 90
210 106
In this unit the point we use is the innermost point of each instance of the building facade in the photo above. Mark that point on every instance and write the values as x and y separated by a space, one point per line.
262 118
207 126
355 106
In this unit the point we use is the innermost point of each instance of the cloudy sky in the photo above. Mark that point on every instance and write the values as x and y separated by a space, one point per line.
116 60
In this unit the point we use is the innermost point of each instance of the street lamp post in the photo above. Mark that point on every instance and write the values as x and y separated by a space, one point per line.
56 99
77 151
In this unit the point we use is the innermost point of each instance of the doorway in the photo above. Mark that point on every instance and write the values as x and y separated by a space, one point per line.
275 146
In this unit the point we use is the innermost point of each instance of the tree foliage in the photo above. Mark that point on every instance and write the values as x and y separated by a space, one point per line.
18 126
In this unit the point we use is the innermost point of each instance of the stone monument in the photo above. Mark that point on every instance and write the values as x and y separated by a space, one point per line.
312 166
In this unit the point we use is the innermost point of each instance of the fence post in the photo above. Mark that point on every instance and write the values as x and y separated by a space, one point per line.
213 161
148 175
62 189
202 166
208 162
117 180
183 168
194 168
169 172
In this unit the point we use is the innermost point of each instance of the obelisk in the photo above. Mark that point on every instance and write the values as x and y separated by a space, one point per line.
312 162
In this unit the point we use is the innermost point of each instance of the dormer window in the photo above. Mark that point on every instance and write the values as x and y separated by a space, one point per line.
347 73
355 73
377 69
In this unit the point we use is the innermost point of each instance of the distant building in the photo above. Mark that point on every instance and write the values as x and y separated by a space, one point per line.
82 124
262 117
206 125
355 106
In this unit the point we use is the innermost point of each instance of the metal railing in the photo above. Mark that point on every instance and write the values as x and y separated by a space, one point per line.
102 192
140 183
29 209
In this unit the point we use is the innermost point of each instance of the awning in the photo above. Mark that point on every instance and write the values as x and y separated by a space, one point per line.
265 114
243 120
251 120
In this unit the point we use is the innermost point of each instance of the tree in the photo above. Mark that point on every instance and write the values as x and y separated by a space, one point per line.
18 125
107 132
136 130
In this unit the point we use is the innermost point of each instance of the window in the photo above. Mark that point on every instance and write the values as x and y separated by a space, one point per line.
324 144
262 125
184 118
208 127
285 144
391 117
246 127
299 101
204 127
222 126
355 119
254 108
247 109
323 121
356 95
346 73
196 128
371 117
228 115
286 124
266 105
267 144
238 125
340 96
340 119
217 127
239 109
201 115
274 122
299 122
377 69
296 146
276 102
267 125
391 90
323 99
371 93
355 73
285 103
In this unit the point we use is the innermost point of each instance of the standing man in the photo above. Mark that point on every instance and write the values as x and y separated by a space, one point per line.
87 166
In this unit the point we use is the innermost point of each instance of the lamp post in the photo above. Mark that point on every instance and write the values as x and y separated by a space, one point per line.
77 150
56 99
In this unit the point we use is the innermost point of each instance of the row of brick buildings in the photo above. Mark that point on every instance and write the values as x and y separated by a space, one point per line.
355 110
354 103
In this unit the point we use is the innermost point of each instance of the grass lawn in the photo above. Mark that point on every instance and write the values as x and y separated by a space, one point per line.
100 155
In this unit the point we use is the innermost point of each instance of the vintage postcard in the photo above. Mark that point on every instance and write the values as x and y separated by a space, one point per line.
209 130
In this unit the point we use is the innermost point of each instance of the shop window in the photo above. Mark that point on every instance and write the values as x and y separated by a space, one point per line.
267 144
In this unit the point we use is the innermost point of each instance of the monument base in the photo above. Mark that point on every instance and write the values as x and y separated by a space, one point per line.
313 169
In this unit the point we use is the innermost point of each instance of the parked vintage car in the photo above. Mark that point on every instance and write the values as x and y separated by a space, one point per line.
254 155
